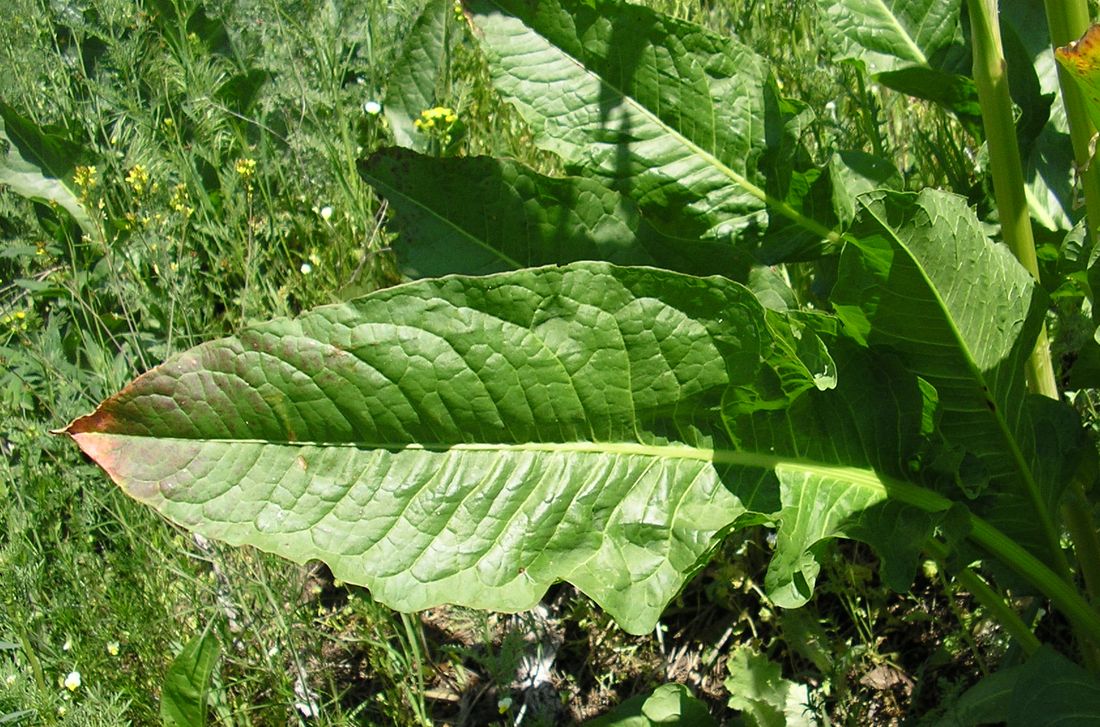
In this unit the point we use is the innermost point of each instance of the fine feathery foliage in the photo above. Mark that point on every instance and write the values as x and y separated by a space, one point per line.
604 380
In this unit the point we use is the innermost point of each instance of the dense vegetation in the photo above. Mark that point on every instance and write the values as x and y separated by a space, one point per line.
178 171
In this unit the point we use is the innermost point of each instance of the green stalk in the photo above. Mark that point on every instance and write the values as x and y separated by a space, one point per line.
1008 190
1011 554
1062 594
1006 615
1068 20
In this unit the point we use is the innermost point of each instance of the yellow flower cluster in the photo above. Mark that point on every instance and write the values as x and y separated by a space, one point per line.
84 178
179 201
246 168
437 122
440 117
16 321
138 178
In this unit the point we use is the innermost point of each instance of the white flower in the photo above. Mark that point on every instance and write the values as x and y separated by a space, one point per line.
112 648
372 107
306 268
9 680
68 645
72 681
326 213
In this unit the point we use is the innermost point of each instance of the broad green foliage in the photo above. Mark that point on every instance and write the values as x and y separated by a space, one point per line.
1048 689
598 89
901 286
909 32
478 215
467 440
419 77
473 440
759 691
39 165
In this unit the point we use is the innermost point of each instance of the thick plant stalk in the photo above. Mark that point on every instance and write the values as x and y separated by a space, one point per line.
1005 165
1008 189
1068 20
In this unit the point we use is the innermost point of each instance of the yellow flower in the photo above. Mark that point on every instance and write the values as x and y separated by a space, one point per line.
246 168
84 177
179 201
112 648
137 178
437 121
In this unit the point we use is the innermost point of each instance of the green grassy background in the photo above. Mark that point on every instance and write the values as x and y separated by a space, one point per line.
224 137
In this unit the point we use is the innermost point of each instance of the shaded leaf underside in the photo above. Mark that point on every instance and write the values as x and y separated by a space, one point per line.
479 215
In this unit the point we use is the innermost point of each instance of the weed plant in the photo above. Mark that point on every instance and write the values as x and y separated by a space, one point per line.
217 144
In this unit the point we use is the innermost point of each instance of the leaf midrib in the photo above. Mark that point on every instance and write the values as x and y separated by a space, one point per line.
902 32
866 478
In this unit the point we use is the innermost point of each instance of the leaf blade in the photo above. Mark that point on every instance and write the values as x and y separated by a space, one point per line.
183 697
685 152
38 165
921 279
479 215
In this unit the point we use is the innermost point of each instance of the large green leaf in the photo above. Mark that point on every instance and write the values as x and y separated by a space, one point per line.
1048 689
464 440
419 78
896 32
661 110
831 461
472 440
478 215
39 165
921 279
